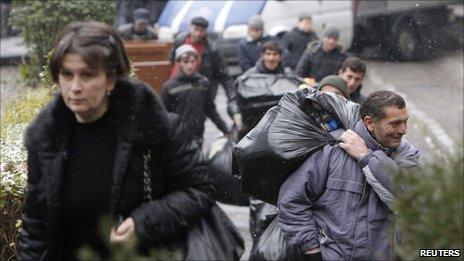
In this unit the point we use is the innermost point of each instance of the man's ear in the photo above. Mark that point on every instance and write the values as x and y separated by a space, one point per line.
340 72
369 123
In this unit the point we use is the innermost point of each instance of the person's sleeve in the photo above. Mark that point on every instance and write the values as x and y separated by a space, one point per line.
191 190
165 97
243 60
31 240
212 113
232 105
296 198
221 73
303 68
379 170
286 41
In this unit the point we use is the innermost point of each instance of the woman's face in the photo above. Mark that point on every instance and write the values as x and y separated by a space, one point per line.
84 90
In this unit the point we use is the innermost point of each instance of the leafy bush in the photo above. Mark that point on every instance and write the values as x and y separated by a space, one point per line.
431 208
13 167
40 21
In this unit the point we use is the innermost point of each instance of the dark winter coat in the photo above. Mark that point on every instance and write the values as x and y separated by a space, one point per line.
296 42
342 205
190 97
249 51
212 65
182 188
315 63
357 97
128 33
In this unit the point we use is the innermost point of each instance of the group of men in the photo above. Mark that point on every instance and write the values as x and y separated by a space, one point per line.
339 203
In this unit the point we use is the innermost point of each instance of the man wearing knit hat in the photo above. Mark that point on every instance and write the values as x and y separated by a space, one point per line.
188 94
210 62
140 29
296 40
334 84
322 58
249 48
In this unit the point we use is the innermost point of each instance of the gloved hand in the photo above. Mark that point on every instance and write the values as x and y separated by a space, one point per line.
238 121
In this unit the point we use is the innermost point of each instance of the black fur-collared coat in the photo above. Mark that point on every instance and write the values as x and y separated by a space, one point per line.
182 188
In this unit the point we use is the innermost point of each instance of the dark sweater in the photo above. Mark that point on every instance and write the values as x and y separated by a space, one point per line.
87 184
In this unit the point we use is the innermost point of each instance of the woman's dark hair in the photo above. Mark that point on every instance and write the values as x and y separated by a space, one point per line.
374 105
271 45
355 64
98 43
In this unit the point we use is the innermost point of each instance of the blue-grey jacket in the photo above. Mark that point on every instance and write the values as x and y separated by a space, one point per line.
344 205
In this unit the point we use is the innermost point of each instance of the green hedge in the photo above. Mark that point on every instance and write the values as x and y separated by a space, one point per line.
13 167
431 208
40 21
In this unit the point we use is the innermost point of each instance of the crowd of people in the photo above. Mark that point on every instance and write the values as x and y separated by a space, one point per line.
108 145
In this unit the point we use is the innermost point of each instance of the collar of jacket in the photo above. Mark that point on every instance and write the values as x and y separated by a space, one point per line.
261 39
181 76
370 141
357 92
141 121
137 112
262 69
296 29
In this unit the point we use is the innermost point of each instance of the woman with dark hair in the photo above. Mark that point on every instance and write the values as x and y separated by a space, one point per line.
105 145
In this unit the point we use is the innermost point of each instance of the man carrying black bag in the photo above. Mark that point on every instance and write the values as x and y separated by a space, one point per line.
257 90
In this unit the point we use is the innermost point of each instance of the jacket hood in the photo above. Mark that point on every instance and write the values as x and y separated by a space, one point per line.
371 143
139 115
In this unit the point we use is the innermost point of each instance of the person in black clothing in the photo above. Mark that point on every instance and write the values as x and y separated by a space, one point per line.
211 63
249 48
322 58
270 64
140 29
353 71
188 94
125 9
91 150
296 41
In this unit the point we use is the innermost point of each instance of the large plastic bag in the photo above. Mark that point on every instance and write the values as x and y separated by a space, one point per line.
227 186
286 135
274 246
257 93
261 215
214 237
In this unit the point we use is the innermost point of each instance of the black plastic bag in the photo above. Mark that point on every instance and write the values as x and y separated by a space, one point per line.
261 216
274 246
285 137
257 93
227 186
215 237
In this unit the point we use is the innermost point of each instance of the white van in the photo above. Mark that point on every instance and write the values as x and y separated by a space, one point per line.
401 27
228 19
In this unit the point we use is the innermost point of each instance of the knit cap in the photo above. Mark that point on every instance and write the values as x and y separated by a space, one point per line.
335 81
141 14
331 31
200 21
256 22
303 16
185 48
